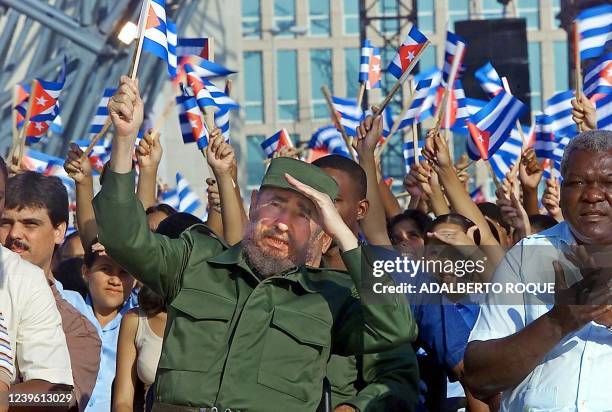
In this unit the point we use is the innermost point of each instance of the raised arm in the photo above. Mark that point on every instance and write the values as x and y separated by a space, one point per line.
79 169
220 156
530 175
155 260
214 221
126 377
374 223
148 154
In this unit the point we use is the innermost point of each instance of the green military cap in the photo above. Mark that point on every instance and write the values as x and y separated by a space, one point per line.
304 172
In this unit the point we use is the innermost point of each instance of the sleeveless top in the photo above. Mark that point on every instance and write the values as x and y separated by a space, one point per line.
148 346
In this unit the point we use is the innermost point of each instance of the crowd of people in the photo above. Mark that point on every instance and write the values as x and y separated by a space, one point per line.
270 309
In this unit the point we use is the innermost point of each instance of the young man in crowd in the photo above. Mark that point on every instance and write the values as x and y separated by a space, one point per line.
555 357
246 289
33 322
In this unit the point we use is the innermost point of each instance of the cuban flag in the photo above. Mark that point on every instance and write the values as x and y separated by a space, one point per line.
603 106
349 113
99 155
594 29
598 78
408 150
207 94
491 126
206 69
329 139
160 37
55 167
192 47
222 121
188 199
477 195
101 112
544 137
559 111
21 95
450 53
427 110
375 70
364 61
387 119
409 51
507 155
190 119
489 80
170 197
273 143
456 117
421 94
36 161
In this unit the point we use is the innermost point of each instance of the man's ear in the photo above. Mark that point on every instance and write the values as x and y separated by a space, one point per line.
253 205
59 233
362 209
326 242
85 273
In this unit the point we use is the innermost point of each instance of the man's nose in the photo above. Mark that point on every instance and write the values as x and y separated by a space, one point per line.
593 194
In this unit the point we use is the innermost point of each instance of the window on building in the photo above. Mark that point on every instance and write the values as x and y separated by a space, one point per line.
351 63
320 74
389 8
284 16
555 10
388 80
530 10
286 85
351 17
318 18
458 10
426 15
561 64
255 160
428 59
253 87
535 75
251 18
492 9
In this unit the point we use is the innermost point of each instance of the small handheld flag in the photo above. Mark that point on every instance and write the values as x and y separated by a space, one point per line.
489 80
190 119
408 53
160 37
350 114
451 52
417 107
594 30
598 79
409 157
558 109
188 199
328 138
101 112
273 143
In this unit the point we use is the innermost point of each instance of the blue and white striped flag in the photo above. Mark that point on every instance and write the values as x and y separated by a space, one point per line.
598 78
350 115
327 137
408 150
489 80
188 199
364 62
603 106
206 69
101 112
595 30
421 93
160 37
544 137
451 51
190 120
558 109
170 197
274 143
222 121
207 94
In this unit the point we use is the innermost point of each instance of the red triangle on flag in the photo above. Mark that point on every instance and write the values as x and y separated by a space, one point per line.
374 71
480 138
316 153
408 53
41 100
152 19
606 73
195 120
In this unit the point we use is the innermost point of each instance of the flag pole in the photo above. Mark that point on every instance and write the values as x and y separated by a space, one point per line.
144 13
492 173
403 78
415 135
395 126
450 84
362 88
577 68
26 124
14 125
339 125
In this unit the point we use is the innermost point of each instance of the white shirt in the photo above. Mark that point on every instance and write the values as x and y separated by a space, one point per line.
33 321
576 375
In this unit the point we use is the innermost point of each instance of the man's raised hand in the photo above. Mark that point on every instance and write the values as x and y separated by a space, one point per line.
76 165
126 109
149 151
219 154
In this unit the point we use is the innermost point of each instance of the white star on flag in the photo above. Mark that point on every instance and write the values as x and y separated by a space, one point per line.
194 123
376 68
41 100
38 126
410 56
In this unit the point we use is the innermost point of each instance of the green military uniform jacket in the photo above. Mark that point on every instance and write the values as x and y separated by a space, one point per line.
233 340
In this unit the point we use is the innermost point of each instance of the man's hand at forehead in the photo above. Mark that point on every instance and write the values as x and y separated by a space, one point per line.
331 220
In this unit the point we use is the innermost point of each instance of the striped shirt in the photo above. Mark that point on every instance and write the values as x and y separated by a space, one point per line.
6 353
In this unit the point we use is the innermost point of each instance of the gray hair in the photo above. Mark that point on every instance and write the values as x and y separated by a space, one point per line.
590 141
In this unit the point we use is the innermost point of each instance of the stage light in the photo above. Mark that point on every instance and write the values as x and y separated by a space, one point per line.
128 33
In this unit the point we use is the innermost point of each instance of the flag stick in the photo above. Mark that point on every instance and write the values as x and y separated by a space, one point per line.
415 136
403 78
15 115
142 21
577 68
24 128
336 120
470 163
395 126
450 85
361 93
492 173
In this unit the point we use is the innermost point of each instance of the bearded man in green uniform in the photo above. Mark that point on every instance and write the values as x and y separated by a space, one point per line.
250 327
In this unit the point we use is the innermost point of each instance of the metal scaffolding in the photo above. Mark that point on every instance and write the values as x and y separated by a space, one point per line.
36 35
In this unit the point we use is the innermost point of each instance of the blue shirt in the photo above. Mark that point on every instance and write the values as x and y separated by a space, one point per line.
100 400
575 374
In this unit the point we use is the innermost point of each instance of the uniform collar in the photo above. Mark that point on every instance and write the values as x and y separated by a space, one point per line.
235 256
